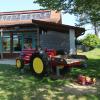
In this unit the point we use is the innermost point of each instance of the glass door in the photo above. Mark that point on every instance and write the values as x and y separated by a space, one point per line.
17 42
27 41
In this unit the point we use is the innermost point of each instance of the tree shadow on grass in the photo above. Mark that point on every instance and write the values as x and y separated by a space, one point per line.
93 69
17 86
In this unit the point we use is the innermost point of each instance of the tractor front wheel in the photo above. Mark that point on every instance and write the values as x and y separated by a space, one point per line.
19 63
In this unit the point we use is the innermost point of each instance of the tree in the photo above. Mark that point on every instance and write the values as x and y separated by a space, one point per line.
90 9
89 12
84 19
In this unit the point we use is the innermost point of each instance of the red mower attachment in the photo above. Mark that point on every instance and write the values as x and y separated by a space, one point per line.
86 80
47 61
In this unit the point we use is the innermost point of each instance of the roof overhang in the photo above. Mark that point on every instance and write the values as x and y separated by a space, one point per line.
58 27
46 25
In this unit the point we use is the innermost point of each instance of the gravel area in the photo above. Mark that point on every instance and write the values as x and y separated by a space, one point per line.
8 61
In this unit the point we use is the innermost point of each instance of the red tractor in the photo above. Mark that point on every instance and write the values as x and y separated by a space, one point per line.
47 61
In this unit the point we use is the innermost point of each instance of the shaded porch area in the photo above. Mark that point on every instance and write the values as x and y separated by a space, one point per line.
27 34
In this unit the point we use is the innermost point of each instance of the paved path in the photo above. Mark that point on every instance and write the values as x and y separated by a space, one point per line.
8 61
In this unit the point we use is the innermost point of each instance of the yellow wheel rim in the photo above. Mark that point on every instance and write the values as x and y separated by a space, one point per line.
38 65
18 63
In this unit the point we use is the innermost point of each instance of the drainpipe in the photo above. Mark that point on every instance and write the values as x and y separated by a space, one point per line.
1 31
72 41
37 40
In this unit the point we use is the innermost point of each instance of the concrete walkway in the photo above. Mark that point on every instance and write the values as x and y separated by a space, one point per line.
8 61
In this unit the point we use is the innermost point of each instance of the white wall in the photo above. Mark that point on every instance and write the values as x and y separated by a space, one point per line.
72 41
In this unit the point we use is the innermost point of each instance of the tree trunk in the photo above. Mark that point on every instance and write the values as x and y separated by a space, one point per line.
95 30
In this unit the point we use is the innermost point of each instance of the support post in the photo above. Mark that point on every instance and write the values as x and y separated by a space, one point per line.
1 47
37 38
33 40
58 71
11 43
22 40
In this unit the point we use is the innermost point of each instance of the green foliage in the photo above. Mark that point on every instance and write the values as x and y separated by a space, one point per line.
91 40
87 11
55 4
74 6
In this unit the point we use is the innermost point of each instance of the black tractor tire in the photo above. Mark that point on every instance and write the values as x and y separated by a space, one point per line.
65 70
19 63
38 65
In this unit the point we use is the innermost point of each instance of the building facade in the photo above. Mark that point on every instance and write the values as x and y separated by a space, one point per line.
35 28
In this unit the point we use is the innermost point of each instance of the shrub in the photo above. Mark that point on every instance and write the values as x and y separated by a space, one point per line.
91 40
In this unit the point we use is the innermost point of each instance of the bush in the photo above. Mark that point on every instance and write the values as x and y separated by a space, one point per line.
91 40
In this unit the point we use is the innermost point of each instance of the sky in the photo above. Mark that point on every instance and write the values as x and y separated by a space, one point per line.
18 5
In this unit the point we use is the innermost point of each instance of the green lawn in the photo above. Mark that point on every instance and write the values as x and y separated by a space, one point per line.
93 68
17 86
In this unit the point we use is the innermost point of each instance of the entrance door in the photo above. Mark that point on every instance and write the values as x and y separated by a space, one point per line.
27 41
17 42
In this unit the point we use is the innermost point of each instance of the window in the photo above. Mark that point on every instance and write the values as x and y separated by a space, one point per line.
17 42
6 43
8 18
14 17
28 43
4 17
28 16
33 16
0 17
47 15
39 15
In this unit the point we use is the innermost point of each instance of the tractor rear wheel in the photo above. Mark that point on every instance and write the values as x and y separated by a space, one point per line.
19 63
38 65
